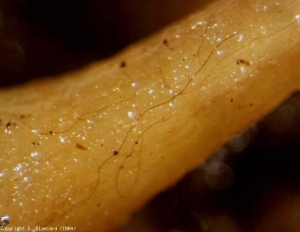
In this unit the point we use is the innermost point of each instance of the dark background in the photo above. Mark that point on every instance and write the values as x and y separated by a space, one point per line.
47 37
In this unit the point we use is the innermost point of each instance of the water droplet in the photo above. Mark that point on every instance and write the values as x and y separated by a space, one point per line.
197 25
130 114
241 38
151 91
243 69
90 121
35 131
219 39
34 154
188 67
18 168
117 89
134 84
220 52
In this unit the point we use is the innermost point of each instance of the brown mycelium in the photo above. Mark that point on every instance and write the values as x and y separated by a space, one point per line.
145 122
249 184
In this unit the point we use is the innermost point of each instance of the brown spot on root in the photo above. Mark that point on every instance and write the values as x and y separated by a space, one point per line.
123 64
36 143
243 62
115 152
81 147
22 116
166 43
11 124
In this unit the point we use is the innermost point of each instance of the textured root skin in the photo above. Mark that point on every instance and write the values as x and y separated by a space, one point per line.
114 135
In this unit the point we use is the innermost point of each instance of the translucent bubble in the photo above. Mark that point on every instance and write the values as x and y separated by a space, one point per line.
241 141
281 119
218 176
218 156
